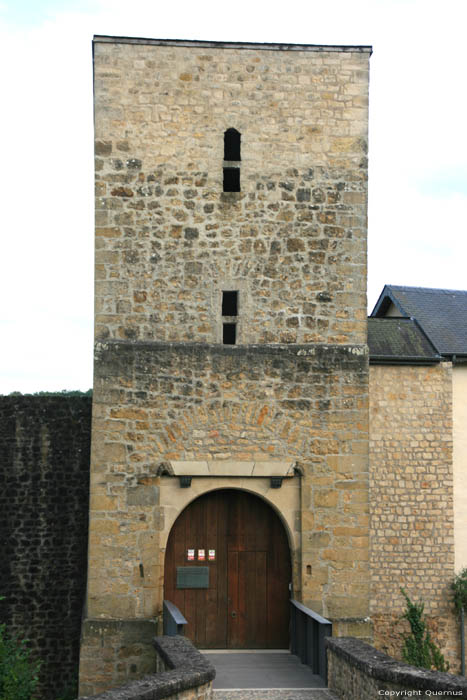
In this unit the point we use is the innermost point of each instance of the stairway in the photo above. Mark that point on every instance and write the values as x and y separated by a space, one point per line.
264 675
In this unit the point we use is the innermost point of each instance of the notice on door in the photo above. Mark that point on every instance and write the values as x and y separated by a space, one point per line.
192 577
201 554
190 555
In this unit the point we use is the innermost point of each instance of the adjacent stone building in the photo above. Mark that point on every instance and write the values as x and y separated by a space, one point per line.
441 316
418 434
230 407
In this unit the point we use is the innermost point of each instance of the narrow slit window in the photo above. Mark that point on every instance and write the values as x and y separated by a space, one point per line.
229 333
231 179
230 303
232 144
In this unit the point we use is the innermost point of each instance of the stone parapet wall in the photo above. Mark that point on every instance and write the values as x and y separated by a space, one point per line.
357 671
44 500
114 652
182 673
169 239
411 501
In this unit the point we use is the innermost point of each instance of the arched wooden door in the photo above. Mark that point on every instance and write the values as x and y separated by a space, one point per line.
227 568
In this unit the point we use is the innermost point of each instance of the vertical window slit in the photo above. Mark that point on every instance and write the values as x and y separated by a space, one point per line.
230 303
229 333
232 144
231 179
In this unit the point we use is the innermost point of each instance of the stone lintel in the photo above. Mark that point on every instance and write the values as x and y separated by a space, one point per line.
217 467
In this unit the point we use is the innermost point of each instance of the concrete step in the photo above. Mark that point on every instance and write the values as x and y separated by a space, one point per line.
264 675
261 669
275 694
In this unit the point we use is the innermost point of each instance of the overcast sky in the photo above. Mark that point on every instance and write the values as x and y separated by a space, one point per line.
418 150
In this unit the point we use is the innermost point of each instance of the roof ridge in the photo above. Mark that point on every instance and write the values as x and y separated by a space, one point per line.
391 318
426 289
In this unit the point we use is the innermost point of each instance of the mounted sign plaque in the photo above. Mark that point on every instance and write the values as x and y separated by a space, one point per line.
192 577
191 555
212 554
201 554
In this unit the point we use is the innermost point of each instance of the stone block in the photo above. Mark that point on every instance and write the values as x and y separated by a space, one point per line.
325 498
104 527
109 451
143 496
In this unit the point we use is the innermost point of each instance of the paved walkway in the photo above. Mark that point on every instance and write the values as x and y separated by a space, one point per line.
264 675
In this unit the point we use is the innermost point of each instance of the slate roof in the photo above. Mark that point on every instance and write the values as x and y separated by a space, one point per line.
441 314
399 340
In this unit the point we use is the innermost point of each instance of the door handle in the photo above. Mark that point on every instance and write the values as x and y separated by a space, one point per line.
234 614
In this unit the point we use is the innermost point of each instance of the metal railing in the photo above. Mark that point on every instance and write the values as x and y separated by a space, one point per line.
307 634
174 622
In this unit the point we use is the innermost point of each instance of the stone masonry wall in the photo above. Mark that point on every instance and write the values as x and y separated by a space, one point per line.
168 239
241 403
44 494
115 652
411 501
305 403
180 672
356 671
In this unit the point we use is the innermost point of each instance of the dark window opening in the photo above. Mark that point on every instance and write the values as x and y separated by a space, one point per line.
231 179
230 303
232 145
229 333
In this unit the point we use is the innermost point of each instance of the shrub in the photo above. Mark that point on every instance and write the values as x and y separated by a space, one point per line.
69 694
419 649
18 673
459 589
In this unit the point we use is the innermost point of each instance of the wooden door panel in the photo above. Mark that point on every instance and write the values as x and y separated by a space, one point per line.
233 613
212 612
243 608
249 576
220 639
176 554
194 598
259 602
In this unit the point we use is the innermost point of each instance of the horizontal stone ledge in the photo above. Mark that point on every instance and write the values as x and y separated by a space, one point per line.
217 467
130 631
250 45
311 350
381 667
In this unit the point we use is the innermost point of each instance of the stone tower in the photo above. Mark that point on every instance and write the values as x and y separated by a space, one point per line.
230 339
